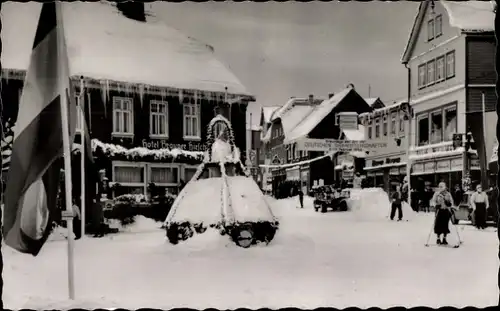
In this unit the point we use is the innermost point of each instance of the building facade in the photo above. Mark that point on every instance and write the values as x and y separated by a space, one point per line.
145 133
450 59
387 166
308 118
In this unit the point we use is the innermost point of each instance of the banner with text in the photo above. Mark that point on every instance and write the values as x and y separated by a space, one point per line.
332 145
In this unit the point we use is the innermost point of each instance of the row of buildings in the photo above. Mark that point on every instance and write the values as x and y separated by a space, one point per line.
450 60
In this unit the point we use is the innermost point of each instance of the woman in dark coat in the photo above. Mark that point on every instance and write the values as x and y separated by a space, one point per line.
442 202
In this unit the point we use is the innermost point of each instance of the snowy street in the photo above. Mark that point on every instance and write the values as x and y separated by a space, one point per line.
315 260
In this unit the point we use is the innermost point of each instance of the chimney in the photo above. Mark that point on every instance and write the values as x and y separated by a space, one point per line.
133 10
311 99
331 95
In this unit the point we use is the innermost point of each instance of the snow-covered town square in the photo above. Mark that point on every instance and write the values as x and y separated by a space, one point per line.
244 155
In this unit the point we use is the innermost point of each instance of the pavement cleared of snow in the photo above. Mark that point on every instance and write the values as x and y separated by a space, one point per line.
315 260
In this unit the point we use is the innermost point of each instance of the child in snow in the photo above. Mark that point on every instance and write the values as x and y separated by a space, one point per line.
442 201
397 200
480 204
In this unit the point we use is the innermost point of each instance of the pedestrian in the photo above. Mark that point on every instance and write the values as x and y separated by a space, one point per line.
77 224
397 200
405 190
427 197
442 201
458 194
480 204
301 197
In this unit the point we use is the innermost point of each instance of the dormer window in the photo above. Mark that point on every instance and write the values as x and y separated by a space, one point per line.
438 26
430 30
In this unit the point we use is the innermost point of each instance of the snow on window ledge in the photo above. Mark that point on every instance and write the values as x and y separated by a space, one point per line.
117 134
192 138
156 136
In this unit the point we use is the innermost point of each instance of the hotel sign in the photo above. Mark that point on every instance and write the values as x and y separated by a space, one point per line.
164 144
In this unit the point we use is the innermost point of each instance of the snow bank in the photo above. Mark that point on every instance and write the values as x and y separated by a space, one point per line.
247 201
199 202
374 204
209 240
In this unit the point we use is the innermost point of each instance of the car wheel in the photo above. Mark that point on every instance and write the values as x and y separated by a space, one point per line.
343 206
323 209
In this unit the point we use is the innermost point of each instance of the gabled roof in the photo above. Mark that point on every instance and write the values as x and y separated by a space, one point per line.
316 115
468 16
267 111
104 45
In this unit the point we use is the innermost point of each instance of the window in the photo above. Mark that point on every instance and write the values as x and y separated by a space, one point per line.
158 118
430 30
431 72
189 173
401 123
130 176
377 127
450 122
384 126
440 69
421 76
123 113
191 118
393 123
436 127
439 26
423 129
296 152
289 152
164 176
370 129
450 64
79 114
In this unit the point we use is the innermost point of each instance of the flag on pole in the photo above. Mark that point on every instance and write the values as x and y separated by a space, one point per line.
32 186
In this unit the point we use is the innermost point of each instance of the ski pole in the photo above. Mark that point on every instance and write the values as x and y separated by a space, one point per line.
430 232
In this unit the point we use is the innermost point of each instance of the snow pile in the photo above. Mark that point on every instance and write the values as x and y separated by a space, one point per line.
373 204
221 151
141 224
199 202
209 240
474 16
247 201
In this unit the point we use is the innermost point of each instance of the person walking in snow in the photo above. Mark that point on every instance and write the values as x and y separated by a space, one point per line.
458 194
301 197
442 201
480 204
397 201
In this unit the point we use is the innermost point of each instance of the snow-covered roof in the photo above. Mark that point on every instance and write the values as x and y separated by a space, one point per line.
287 106
291 118
316 115
370 101
357 135
268 111
104 45
468 16
474 16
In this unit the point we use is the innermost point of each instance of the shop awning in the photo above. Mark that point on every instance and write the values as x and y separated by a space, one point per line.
368 168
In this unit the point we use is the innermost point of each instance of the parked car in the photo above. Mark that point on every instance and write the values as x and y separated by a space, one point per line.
328 197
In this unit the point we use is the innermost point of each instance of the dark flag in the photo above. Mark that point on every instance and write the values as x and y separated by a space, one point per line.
32 185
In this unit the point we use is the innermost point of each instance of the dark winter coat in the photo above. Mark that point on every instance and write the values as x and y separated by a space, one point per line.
397 198
458 196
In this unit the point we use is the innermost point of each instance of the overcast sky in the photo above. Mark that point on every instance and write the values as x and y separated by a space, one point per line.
279 50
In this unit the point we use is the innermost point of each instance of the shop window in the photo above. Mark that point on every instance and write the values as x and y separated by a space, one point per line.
450 122
377 127
384 125
130 176
423 129
436 127
393 123
163 176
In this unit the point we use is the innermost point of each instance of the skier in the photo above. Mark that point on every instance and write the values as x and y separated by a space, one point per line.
480 204
442 201
397 198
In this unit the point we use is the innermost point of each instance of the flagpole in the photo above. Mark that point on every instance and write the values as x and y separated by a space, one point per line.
82 157
66 154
